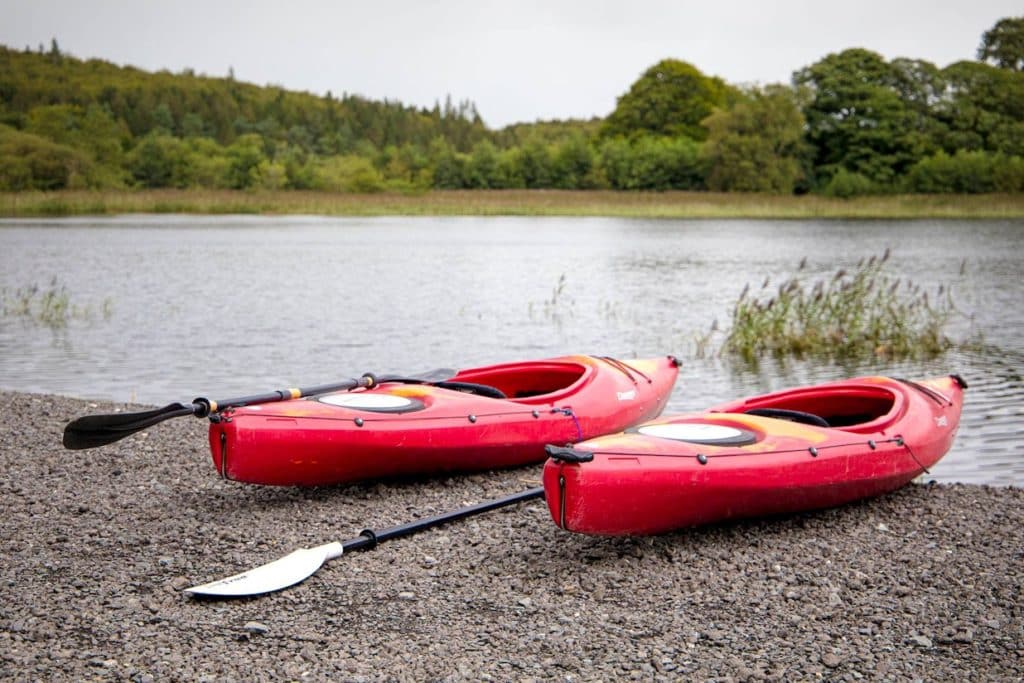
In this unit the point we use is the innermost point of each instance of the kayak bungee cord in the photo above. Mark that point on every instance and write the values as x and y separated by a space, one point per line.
627 369
931 393
914 456
471 417
571 455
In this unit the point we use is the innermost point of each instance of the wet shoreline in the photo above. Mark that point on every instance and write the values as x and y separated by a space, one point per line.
97 546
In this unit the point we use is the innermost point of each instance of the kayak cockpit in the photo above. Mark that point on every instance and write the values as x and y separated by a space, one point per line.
848 407
529 380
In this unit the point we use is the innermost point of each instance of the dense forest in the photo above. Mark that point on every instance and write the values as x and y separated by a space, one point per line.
850 124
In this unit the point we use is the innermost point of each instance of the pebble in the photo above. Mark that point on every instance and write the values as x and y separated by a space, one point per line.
923 641
885 589
831 661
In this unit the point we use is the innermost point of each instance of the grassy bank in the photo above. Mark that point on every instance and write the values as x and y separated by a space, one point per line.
509 203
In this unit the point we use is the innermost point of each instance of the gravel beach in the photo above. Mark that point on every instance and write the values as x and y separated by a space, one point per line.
96 547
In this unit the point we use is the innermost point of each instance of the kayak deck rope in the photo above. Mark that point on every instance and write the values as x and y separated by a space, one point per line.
412 417
939 398
704 458
625 368
914 456
472 417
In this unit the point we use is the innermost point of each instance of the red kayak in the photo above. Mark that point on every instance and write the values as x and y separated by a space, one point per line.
779 453
479 419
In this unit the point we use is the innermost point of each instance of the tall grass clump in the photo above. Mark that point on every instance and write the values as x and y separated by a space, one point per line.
50 306
558 306
854 314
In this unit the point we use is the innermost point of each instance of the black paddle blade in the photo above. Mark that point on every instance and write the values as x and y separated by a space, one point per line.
93 431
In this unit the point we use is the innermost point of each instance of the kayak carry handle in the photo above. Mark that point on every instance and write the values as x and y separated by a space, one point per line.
568 454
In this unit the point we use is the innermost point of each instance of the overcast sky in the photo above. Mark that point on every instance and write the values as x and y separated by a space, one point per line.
517 60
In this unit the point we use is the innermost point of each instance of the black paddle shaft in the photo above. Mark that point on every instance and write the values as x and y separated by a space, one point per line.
206 406
92 431
368 538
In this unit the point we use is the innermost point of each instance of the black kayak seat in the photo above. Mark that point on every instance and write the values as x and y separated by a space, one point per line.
791 415
472 388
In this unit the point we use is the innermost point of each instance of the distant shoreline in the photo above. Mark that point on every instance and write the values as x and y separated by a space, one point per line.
706 205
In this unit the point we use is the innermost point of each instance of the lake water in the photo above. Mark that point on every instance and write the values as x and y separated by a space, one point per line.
182 306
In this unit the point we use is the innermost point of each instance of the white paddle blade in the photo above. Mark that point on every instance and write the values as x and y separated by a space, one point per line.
274 576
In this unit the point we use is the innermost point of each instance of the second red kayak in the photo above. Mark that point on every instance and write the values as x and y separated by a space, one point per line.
480 418
794 450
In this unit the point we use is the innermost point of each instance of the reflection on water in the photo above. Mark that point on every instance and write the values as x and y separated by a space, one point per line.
225 306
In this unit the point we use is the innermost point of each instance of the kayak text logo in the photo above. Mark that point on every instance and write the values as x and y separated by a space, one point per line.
626 395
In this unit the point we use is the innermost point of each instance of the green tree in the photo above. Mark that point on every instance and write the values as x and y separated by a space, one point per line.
270 175
653 163
245 156
482 170
163 119
161 161
857 119
533 163
91 130
348 174
757 146
193 126
1003 44
574 164
449 166
208 163
671 98
31 162
983 109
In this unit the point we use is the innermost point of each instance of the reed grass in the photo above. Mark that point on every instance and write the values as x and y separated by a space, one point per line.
509 203
854 314
50 306
555 308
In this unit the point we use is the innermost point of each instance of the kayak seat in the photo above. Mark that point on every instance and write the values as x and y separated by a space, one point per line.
472 388
791 415
524 381
530 394
850 420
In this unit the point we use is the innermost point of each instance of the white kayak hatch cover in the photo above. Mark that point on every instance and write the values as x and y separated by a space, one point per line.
373 402
700 433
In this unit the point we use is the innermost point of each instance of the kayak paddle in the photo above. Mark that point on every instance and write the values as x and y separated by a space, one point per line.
301 564
92 431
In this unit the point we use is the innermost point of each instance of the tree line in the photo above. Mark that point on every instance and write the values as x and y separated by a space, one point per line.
852 123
